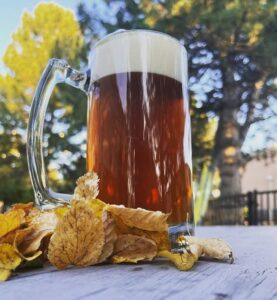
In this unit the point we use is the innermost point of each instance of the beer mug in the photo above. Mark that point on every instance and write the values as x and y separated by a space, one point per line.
138 124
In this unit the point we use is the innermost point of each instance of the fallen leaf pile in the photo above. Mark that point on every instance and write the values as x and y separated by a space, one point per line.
89 232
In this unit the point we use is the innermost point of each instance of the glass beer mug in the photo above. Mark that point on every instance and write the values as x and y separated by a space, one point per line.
138 124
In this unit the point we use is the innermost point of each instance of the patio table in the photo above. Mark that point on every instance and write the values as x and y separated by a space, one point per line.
252 276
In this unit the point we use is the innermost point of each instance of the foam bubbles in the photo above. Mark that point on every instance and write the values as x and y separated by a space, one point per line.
139 51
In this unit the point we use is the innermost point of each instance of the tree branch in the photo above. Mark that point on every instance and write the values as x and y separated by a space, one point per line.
260 119
250 118
238 28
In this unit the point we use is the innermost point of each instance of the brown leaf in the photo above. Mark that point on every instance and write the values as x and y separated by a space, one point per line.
20 236
43 224
213 248
133 248
110 236
78 238
8 238
140 218
159 237
9 260
87 187
33 213
11 220
27 207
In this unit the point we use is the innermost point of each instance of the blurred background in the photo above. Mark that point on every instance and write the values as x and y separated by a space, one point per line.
232 83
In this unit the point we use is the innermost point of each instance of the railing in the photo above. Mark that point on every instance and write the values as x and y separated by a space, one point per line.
253 208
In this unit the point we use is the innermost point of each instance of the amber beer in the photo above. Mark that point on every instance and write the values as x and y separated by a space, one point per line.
139 126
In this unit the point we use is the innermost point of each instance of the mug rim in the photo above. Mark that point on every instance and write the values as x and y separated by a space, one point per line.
122 31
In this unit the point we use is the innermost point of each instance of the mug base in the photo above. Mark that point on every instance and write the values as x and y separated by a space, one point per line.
176 231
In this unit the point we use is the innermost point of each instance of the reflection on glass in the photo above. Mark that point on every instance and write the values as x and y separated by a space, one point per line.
136 141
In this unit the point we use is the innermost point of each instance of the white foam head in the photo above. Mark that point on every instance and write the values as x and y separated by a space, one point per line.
139 51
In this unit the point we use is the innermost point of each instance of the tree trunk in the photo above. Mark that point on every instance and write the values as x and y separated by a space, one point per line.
228 141
229 154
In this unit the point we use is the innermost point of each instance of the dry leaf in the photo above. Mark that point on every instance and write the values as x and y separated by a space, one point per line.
61 211
160 238
78 238
45 220
27 207
9 237
140 218
32 214
20 236
87 187
183 262
213 248
99 210
43 225
11 220
110 237
9 260
97 206
133 248
4 274
32 243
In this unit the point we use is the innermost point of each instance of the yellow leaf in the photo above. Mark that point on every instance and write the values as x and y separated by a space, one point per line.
140 218
9 260
4 274
61 211
183 262
97 206
32 257
133 248
10 221
78 238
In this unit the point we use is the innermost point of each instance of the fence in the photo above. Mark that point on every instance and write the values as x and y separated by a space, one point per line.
253 208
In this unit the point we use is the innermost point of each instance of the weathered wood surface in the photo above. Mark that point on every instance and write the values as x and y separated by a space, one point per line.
252 276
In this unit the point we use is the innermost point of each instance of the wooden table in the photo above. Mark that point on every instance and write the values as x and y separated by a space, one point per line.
252 276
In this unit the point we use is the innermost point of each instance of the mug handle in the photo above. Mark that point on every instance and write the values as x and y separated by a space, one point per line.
56 71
